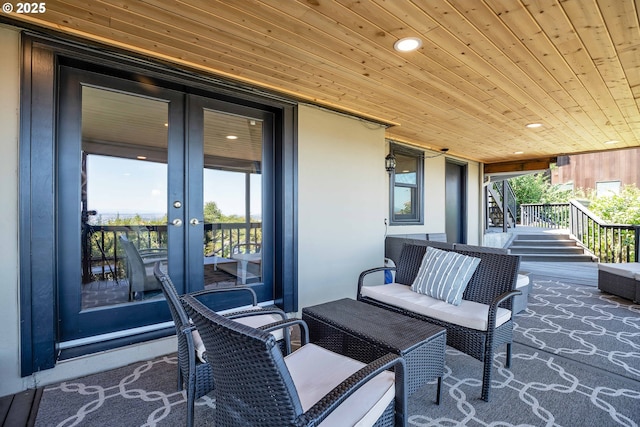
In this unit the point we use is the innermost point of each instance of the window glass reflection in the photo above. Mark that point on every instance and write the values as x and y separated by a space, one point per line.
232 195
123 196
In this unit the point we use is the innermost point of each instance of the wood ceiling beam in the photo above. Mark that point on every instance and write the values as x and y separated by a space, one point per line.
520 166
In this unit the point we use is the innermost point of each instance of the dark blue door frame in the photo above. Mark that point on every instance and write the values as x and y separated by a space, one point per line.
39 242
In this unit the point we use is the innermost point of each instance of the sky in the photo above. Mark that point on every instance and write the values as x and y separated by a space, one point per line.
126 186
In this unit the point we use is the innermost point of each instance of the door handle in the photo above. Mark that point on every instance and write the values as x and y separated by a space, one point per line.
177 222
195 221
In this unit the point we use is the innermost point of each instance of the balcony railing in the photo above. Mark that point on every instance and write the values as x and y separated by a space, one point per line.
548 215
609 242
103 259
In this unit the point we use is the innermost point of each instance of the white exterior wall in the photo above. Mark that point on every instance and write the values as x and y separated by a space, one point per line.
341 203
434 199
475 228
9 297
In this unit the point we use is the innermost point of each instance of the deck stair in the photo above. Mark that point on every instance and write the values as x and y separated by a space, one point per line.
549 248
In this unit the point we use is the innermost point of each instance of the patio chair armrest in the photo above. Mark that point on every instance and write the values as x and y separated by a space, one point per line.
239 289
493 308
505 296
282 324
346 388
367 272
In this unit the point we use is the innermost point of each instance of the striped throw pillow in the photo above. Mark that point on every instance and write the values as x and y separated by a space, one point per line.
444 275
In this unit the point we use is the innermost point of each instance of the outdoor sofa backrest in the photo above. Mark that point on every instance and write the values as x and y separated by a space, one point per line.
393 245
496 274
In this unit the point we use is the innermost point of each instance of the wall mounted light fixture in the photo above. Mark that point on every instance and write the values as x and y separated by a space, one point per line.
390 163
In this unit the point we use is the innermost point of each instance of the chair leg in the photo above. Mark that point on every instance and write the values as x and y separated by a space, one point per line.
180 383
508 361
486 374
439 391
191 392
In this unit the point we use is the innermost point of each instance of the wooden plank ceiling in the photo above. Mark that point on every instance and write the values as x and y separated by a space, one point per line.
486 68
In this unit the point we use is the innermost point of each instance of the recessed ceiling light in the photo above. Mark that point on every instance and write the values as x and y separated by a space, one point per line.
613 141
166 125
407 44
519 152
232 137
533 125
141 157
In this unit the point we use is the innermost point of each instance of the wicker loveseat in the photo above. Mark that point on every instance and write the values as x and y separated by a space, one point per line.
480 324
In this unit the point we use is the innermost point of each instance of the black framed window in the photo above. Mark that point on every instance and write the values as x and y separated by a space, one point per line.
406 186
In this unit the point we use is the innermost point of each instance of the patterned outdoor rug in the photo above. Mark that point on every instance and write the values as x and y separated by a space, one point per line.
575 363
582 324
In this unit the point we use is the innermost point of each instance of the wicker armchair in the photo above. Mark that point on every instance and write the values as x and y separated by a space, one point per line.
193 372
311 386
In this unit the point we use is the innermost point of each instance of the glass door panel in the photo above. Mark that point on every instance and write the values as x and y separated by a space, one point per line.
120 160
124 196
232 194
230 145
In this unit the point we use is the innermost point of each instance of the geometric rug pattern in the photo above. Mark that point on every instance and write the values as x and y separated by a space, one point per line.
538 390
582 324
575 362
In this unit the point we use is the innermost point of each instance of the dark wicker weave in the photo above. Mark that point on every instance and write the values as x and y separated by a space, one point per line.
197 376
493 284
625 287
254 386
365 332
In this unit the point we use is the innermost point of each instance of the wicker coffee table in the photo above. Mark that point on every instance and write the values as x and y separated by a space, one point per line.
365 332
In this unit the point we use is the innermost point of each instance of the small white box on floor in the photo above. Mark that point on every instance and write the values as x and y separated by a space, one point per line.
523 284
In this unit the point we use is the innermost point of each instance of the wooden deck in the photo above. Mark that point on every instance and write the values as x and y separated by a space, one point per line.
578 273
20 409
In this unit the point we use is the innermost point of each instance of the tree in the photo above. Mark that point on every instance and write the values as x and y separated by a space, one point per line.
212 212
537 188
622 208
529 188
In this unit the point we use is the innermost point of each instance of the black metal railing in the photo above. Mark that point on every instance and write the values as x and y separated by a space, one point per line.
103 259
501 204
547 215
509 199
220 238
609 242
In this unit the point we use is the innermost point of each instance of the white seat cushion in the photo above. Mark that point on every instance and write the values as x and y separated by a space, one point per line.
261 320
257 320
316 371
630 270
468 314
